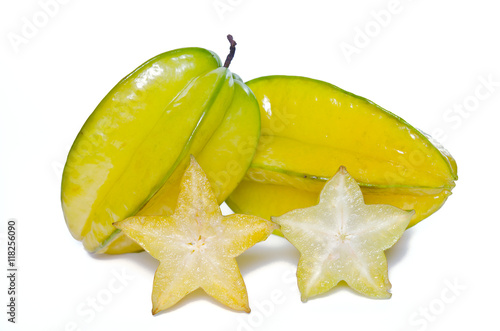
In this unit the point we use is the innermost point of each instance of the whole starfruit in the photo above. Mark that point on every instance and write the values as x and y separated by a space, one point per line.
130 154
310 128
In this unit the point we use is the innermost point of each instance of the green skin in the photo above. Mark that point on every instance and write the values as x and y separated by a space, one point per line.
155 132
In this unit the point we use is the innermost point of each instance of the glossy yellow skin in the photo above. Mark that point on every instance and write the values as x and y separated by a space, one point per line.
311 128
135 144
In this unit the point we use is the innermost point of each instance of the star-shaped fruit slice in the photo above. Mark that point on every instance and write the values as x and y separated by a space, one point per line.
197 246
341 238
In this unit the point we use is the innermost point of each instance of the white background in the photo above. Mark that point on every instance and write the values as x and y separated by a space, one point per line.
429 57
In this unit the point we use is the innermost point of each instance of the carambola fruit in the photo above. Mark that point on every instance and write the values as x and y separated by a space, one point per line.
197 246
343 239
130 154
310 128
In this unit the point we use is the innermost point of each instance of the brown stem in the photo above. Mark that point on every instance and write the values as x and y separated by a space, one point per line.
232 49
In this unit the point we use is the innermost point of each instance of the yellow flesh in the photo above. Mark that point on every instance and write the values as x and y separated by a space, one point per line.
196 245
141 132
342 239
311 128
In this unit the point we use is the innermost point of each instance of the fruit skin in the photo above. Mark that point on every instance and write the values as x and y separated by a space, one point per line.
140 136
310 128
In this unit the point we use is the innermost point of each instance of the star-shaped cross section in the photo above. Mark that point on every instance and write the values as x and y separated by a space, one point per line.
341 238
197 246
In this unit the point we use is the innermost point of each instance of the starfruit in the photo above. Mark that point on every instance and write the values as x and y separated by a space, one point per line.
131 152
310 128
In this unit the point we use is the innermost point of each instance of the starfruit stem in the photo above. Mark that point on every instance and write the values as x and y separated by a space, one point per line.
232 50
